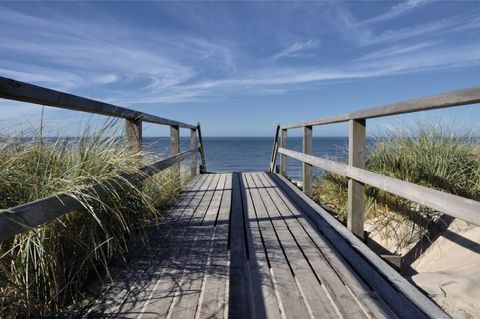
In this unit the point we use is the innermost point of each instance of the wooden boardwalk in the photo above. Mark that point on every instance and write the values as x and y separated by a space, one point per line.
250 245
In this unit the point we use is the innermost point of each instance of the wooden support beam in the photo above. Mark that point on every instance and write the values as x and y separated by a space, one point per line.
193 144
307 168
283 158
175 147
273 159
203 166
133 134
356 190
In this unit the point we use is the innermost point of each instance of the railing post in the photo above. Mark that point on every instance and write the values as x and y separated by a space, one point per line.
283 158
175 147
307 168
133 134
356 192
193 144
273 159
203 166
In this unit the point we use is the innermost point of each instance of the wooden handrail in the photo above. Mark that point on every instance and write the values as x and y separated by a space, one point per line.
452 205
24 217
25 92
450 99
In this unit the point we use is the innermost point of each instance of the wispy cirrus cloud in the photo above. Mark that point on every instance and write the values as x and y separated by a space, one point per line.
397 10
125 62
396 50
297 49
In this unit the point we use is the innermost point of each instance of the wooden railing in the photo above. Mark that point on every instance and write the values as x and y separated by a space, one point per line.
456 206
24 217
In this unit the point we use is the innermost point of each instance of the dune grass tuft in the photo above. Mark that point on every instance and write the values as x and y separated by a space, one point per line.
47 268
426 154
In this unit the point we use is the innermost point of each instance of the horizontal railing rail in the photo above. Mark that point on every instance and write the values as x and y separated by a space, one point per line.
25 92
453 205
24 217
450 99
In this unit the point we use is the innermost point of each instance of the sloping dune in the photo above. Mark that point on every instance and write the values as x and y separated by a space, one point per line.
449 271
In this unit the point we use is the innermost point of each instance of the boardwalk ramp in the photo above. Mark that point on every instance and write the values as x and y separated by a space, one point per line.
251 245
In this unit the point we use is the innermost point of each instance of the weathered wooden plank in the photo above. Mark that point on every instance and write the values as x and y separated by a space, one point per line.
337 278
400 295
444 100
188 294
453 205
136 280
110 298
167 282
264 300
356 190
240 305
214 296
25 92
292 302
315 297
25 217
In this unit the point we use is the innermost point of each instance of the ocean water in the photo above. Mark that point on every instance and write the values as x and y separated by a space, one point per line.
247 154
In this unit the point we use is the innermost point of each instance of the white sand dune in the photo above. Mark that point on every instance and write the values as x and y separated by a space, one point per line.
449 271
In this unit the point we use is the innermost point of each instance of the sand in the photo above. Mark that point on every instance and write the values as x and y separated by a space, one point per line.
449 271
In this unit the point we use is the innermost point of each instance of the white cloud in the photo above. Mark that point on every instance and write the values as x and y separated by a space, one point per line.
297 49
397 50
397 11
135 67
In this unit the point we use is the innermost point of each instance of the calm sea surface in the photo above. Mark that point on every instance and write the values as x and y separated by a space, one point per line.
244 154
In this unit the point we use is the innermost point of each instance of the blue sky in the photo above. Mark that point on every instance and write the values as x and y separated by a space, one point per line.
241 67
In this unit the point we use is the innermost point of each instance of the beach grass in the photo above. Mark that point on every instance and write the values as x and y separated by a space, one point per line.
432 155
44 269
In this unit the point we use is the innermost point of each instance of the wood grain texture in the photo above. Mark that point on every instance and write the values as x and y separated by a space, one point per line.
273 157
175 149
203 167
453 205
249 245
193 144
356 190
133 134
444 100
127 284
283 158
397 292
25 92
341 284
307 168
240 304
